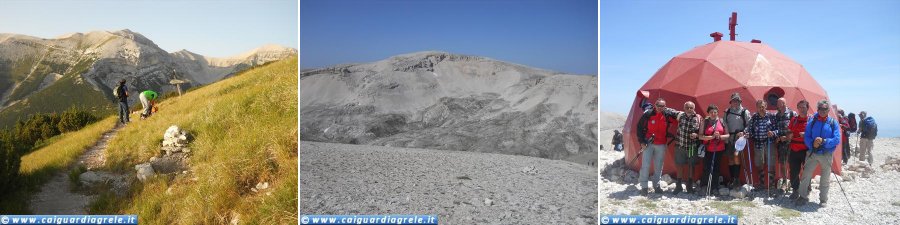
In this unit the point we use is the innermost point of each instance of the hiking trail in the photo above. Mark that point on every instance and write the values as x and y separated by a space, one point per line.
56 196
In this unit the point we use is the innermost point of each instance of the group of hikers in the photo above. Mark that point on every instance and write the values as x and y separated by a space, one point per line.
796 140
148 101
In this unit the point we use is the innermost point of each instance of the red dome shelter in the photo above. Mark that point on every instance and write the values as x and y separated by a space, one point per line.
709 74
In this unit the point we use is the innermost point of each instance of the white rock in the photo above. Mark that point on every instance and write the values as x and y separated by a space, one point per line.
262 185
144 171
737 194
171 132
530 170
488 202
623 211
90 177
666 178
724 191
663 184
235 219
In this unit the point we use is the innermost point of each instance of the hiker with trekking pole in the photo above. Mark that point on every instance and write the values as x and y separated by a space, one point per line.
761 132
713 137
782 142
654 124
736 118
685 142
797 157
822 137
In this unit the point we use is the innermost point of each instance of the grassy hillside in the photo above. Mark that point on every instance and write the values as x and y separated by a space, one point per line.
67 92
245 132
61 151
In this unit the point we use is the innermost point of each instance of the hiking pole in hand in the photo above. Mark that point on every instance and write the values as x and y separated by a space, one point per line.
750 166
691 155
845 193
709 180
768 182
649 141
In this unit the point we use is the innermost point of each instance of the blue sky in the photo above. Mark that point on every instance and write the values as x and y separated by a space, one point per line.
852 48
554 35
211 28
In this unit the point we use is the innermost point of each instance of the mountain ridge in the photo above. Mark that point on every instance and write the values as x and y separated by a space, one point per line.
447 101
97 60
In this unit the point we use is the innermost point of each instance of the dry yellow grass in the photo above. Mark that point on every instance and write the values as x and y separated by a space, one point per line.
40 164
245 132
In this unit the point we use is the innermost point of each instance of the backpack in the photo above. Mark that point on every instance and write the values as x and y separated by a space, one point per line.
743 116
853 124
871 130
119 92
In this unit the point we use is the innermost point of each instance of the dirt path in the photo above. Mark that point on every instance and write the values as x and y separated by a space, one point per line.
55 196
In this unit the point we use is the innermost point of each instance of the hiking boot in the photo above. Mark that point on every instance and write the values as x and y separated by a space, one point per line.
657 189
794 195
800 201
690 187
677 189
823 204
644 192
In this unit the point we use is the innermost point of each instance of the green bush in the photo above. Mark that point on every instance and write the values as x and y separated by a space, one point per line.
20 139
72 120
10 159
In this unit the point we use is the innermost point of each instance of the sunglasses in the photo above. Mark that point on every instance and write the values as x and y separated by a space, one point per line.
823 109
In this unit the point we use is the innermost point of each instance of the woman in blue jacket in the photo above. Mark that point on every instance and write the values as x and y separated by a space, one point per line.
823 135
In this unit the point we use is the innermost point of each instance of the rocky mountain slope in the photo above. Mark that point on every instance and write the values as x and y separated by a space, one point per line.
80 69
446 101
459 187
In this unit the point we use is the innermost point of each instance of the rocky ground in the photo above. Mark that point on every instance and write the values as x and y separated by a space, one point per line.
460 187
871 190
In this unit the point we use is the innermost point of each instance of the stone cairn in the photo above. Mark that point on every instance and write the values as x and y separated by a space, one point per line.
174 147
174 140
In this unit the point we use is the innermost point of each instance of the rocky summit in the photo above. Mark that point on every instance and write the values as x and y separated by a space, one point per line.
439 100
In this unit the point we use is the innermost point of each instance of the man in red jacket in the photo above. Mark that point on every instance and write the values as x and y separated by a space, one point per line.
654 124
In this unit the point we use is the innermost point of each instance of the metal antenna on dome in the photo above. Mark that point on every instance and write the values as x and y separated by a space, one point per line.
732 23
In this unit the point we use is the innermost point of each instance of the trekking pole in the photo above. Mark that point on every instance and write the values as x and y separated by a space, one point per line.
750 167
845 194
748 177
691 162
709 180
768 182
649 141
